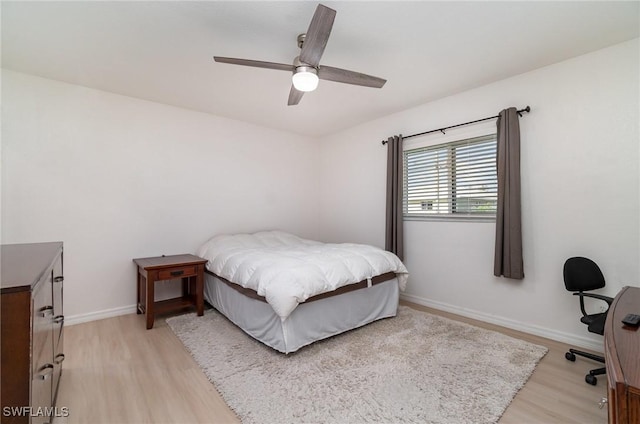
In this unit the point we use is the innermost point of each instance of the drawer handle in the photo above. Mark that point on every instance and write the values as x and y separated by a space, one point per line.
177 273
58 319
59 358
46 372
45 310
59 279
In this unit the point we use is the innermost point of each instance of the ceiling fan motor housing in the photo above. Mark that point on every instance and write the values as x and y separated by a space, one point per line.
297 63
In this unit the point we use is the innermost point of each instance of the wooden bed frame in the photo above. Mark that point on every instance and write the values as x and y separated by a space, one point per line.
340 290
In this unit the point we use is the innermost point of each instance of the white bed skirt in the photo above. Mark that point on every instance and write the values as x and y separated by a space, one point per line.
309 322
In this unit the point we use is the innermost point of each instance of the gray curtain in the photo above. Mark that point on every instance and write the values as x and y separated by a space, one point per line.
508 253
394 238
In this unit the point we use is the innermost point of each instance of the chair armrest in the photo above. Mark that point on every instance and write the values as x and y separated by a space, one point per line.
607 299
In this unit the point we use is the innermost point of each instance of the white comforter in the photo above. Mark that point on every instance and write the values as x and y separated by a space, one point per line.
287 270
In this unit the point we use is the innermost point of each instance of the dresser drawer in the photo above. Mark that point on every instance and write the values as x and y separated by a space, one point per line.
58 358
43 368
178 272
42 390
42 320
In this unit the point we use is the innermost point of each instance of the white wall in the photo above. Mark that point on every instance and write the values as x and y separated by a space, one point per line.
117 178
580 183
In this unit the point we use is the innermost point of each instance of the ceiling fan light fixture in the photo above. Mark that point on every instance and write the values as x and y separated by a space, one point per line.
305 78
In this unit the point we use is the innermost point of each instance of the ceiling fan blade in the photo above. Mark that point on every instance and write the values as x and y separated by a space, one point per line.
254 63
317 35
349 77
294 96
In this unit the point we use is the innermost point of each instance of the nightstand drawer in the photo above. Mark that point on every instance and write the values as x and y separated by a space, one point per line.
185 271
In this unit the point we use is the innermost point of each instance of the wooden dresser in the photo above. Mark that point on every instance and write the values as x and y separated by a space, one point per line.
32 331
622 359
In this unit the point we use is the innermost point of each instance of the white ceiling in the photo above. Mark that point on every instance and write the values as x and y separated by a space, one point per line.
162 51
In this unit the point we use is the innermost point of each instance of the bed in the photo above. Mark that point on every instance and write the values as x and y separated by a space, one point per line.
288 292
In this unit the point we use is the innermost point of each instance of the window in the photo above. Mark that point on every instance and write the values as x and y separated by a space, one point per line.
453 180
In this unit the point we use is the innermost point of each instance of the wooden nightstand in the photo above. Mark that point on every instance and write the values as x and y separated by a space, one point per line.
189 268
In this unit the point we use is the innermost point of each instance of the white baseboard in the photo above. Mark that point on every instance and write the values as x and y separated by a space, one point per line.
94 316
572 339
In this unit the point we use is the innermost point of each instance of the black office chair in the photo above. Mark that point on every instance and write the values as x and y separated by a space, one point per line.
581 275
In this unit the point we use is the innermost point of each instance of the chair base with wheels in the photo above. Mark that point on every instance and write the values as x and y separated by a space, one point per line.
591 377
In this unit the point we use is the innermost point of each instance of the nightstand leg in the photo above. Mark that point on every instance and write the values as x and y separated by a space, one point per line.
142 292
200 290
150 299
138 291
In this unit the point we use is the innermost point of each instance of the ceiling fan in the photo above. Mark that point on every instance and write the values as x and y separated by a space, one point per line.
306 68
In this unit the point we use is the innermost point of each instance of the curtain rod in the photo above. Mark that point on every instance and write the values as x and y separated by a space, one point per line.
526 109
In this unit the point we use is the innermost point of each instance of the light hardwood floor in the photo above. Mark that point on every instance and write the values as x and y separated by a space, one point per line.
116 371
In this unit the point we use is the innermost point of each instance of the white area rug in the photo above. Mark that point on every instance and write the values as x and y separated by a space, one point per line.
414 368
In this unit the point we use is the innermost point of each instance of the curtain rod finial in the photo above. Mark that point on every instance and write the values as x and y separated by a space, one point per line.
526 109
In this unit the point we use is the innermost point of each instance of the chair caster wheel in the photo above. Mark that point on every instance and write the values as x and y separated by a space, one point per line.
591 379
570 356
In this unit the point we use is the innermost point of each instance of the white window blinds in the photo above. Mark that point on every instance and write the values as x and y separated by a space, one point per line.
456 179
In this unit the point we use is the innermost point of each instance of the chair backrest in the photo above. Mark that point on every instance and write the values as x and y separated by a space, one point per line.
582 274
